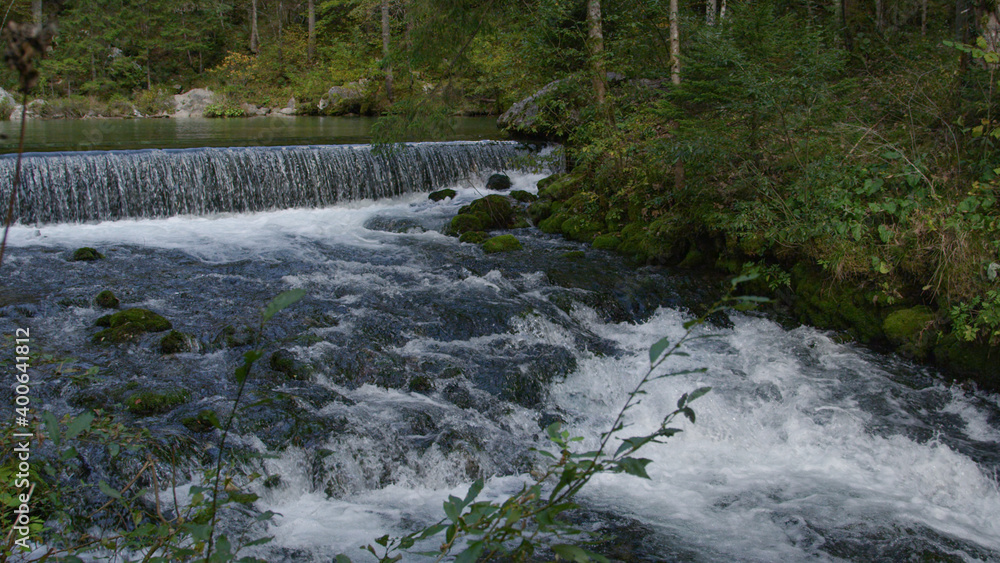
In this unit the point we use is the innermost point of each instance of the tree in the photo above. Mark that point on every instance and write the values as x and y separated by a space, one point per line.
254 37
595 36
675 44
386 32
312 31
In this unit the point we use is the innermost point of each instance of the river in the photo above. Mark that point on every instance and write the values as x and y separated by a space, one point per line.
425 364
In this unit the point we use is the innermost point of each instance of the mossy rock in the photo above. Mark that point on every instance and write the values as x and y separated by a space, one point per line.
464 223
838 306
128 325
502 243
204 421
421 384
523 196
553 225
439 195
562 188
977 362
474 237
284 361
910 331
86 254
521 223
574 255
549 180
607 242
107 300
146 403
232 337
539 211
497 210
693 259
498 182
582 228
175 342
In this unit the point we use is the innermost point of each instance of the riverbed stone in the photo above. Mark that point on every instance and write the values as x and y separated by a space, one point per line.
107 300
440 195
146 403
497 211
498 182
464 223
128 325
86 254
474 237
175 342
523 196
607 242
502 243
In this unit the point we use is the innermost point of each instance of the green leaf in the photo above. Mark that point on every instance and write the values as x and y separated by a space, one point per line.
52 427
699 392
451 509
282 301
474 490
106 489
79 424
577 554
342 559
744 278
656 350
471 553
634 466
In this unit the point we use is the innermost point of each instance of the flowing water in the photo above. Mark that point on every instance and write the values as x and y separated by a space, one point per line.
424 364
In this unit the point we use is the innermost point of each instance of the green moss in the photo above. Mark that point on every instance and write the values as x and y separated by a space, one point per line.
498 182
421 384
574 255
553 225
86 254
145 403
561 188
838 306
128 325
496 209
582 228
693 259
607 242
465 222
474 237
107 300
975 361
441 194
539 211
174 342
523 196
911 331
548 180
502 243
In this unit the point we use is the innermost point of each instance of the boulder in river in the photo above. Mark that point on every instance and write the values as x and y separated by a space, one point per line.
128 325
498 182
86 254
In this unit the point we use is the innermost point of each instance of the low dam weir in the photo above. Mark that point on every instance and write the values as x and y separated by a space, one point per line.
79 187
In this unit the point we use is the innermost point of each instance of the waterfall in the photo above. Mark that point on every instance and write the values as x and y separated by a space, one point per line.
76 187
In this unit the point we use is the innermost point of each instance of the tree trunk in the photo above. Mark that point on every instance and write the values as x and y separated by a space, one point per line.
281 50
595 37
722 10
312 31
675 44
880 15
923 17
845 20
711 7
385 49
36 11
254 38
408 41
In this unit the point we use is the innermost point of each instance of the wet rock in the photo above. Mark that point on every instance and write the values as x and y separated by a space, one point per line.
498 182
205 421
523 196
911 331
440 195
86 254
421 384
146 403
394 225
502 243
107 300
495 211
458 395
128 325
176 342
606 242
232 337
474 237
464 223
284 361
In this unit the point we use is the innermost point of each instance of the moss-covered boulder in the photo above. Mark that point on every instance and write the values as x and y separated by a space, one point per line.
464 223
421 384
498 182
969 359
107 300
474 237
911 331
502 243
523 196
824 303
582 228
128 325
175 342
607 242
285 362
146 403
553 225
694 258
539 211
439 195
86 254
561 188
496 210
